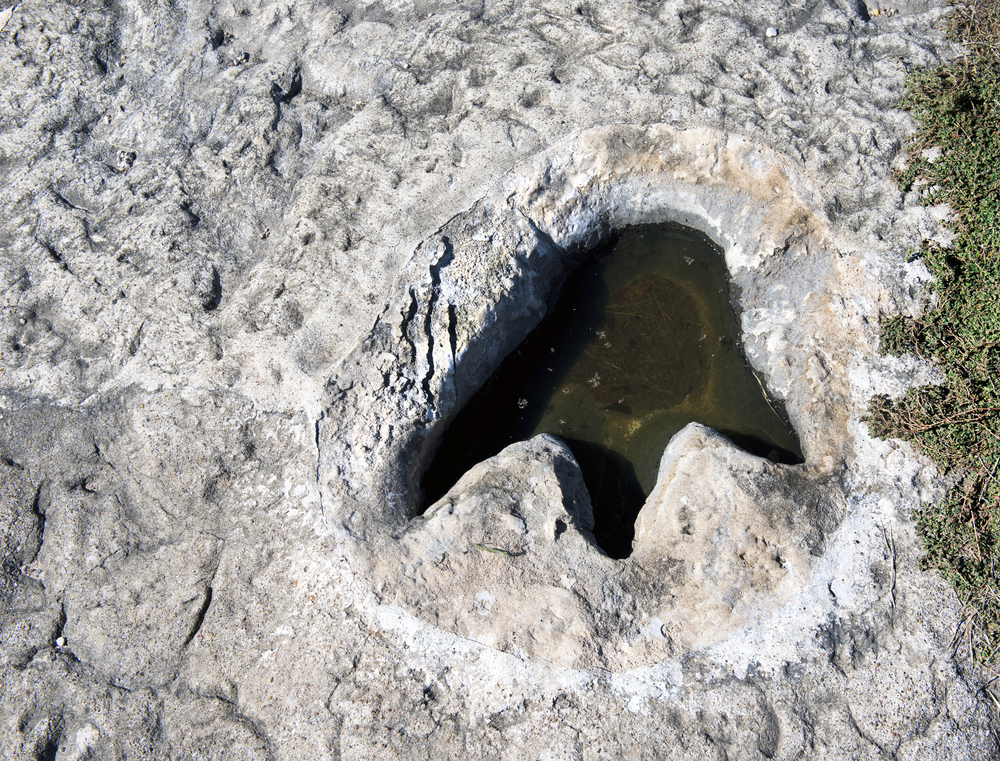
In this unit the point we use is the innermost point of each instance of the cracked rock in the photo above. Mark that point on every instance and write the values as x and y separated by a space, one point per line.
254 256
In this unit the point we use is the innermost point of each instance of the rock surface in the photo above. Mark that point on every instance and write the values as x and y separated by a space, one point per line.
253 255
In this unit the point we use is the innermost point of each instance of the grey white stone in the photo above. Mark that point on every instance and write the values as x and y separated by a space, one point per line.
253 255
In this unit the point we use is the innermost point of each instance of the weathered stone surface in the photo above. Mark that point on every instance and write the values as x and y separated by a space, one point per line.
725 539
253 255
734 531
515 531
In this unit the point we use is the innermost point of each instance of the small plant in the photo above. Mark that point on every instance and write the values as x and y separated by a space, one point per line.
956 161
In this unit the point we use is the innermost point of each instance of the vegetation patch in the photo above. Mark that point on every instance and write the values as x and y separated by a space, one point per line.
956 161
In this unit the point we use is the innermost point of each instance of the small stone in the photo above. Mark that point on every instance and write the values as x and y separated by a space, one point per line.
125 159
771 32
60 641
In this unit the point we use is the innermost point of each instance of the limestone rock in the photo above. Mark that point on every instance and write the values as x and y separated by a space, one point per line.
724 539
515 530
254 255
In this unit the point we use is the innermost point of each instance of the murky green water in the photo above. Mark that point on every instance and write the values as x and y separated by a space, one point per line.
642 341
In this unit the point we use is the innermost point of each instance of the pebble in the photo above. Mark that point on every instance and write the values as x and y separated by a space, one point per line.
60 641
771 32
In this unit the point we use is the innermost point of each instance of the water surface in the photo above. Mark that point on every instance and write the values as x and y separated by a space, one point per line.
642 341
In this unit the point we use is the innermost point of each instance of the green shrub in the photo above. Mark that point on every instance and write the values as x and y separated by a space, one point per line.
955 160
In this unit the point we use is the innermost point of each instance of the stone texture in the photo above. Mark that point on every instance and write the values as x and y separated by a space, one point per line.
506 558
738 534
253 254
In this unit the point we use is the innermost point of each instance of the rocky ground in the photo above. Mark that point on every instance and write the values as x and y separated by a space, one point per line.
236 241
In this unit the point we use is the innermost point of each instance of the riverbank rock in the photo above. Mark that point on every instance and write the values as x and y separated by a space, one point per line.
255 255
